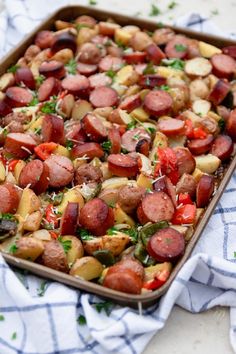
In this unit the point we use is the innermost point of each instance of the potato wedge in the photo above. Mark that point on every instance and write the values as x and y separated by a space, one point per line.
121 217
207 163
208 50
122 36
201 107
6 80
43 235
80 108
29 203
87 268
144 181
62 151
29 248
76 251
115 243
18 168
2 172
63 55
32 222
198 67
126 76
197 174
115 182
140 114
72 195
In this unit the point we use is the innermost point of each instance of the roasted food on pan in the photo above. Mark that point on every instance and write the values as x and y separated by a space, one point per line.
112 143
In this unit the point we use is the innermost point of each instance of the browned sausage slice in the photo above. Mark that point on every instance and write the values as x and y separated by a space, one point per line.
96 217
88 174
20 144
155 207
158 103
143 147
103 97
69 219
231 125
89 150
122 165
219 92
186 184
76 133
162 36
4 108
44 39
48 88
125 281
110 63
230 50
135 57
177 47
164 184
77 85
166 245
61 170
131 102
52 68
222 147
87 69
185 160
62 41
129 197
201 146
35 175
151 80
115 139
25 75
130 138
18 96
224 66
154 54
171 126
94 128
205 189
53 129
99 80
89 53
9 197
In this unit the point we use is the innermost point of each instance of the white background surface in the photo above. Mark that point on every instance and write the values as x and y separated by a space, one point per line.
186 333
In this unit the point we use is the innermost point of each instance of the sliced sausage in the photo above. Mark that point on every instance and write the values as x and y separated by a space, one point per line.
89 150
200 146
51 86
166 245
62 41
103 97
186 184
76 133
222 147
135 57
151 80
86 20
18 96
224 66
110 63
4 108
86 69
31 53
19 144
162 36
44 39
122 165
114 51
77 85
35 175
154 54
88 174
69 220
53 129
10 198
52 68
99 80
107 28
54 256
177 47
129 197
219 92
125 281
25 75
205 189
231 125
131 102
143 147
61 170
115 139
164 184
130 138
171 126
94 128
89 53
155 207
230 50
96 217
158 103
185 160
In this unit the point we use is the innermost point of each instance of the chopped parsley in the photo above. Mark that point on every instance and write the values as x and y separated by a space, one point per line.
164 87
136 136
41 290
234 254
148 190
149 69
69 144
172 5
66 244
124 151
5 131
13 336
131 125
40 79
38 130
81 320
7 216
71 67
106 306
92 2
34 102
154 10
111 74
85 235
160 25
221 124
13 69
149 33
215 12
121 45
106 146
132 233
112 231
2 318
180 47
13 248
151 130
111 205
81 25
49 107
174 63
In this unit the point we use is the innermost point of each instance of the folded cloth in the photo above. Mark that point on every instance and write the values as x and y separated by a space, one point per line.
44 317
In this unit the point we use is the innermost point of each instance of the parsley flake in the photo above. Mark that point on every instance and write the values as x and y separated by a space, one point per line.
85 235
2 318
172 5
164 87
13 336
151 130
81 320
92 2
111 74
13 69
149 69
112 231
34 102
106 306
7 216
66 244
131 125
132 233
43 287
69 144
38 130
154 10
221 124
40 79
106 146
71 67
13 248
49 107
174 63
180 47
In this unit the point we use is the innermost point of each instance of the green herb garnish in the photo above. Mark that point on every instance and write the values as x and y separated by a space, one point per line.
164 87
133 234
2 318
131 125
13 248
34 102
13 69
149 69
49 107
7 216
69 144
136 136
112 231
154 10
38 130
92 2
40 79
81 25
174 63
71 67
106 146
85 235
81 320
172 5
41 290
13 336
180 47
151 130
66 244
121 45
111 74
221 124
106 306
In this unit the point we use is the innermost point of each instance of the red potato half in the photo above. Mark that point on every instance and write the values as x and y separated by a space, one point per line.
35 175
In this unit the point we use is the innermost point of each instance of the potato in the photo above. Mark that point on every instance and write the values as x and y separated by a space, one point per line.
63 55
2 172
120 89
208 50
153 271
213 115
121 217
144 93
199 214
76 251
33 221
125 117
182 229
207 163
29 203
85 35
6 80
140 41
140 114
29 248
197 174
38 60
43 235
115 243
62 151
132 90
81 107
110 196
198 90
103 112
201 107
177 141
127 76
18 168
106 173
198 67
54 256
131 29
92 245
160 140
66 105
35 125
115 182
122 36
170 72
10 178
144 181
72 195
87 268
62 24
193 117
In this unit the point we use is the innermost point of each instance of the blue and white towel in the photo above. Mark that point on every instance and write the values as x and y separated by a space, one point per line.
43 317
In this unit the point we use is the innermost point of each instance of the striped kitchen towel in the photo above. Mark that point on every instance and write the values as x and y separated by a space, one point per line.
44 317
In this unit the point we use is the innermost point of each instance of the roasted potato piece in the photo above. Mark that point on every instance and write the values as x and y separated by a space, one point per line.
2 172
54 256
32 222
207 163
115 244
29 203
121 217
29 248
42 234
76 251
18 168
80 108
72 195
64 55
87 268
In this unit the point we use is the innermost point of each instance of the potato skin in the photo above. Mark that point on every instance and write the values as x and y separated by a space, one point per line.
29 248
54 256
87 268
76 251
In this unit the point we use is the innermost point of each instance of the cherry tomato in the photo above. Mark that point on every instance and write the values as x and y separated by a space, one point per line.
184 215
